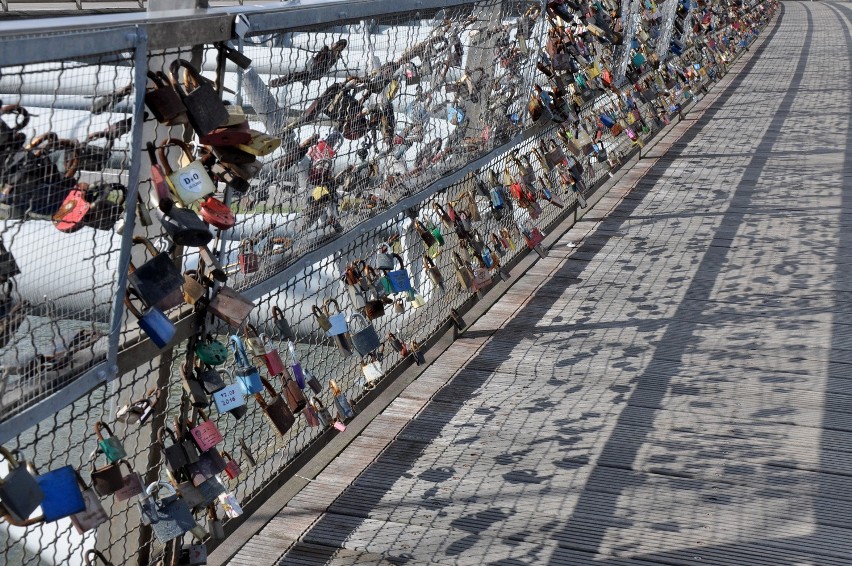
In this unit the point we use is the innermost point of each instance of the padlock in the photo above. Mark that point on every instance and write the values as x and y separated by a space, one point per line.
181 428
205 433
169 517
260 144
282 328
344 408
507 239
204 109
184 227
384 260
463 272
153 322
92 516
399 280
158 282
176 455
337 320
417 300
497 246
209 464
225 136
457 319
216 213
311 381
248 377
395 342
190 182
365 340
19 490
372 370
230 306
193 290
417 353
276 410
140 410
311 417
426 235
296 400
63 493
211 352
322 412
209 377
247 258
217 530
110 446
194 554
272 359
164 102
398 305
433 272
298 372
230 399
253 341
232 467
321 317
131 484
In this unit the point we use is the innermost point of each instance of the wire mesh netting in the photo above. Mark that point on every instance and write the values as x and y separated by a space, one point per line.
63 183
345 217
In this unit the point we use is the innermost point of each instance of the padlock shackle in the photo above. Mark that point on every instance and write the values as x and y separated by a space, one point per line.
327 302
398 258
96 553
189 71
442 214
251 331
9 456
358 316
427 262
159 79
165 430
155 486
240 355
172 142
100 425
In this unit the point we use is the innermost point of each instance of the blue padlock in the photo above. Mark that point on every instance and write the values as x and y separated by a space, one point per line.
399 280
153 322
248 377
63 495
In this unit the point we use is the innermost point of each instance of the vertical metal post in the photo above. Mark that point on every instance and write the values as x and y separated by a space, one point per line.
140 69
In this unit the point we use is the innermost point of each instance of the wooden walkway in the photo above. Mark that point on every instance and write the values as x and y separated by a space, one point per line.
675 389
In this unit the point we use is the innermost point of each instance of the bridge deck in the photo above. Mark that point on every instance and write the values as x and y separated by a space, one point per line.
676 389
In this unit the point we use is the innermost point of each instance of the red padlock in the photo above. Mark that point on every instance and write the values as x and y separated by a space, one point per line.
272 359
232 468
69 217
248 258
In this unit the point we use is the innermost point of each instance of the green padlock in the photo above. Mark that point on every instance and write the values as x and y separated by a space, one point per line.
211 352
110 446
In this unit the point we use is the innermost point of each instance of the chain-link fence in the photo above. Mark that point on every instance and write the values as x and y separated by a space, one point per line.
359 181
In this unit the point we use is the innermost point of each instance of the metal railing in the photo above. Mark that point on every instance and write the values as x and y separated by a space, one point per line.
437 96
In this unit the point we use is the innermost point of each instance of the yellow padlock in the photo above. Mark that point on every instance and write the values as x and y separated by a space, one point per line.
261 144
